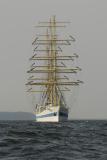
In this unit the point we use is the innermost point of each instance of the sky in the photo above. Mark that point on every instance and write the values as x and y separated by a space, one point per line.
89 27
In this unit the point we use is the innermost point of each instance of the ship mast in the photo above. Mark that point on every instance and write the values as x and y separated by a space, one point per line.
52 92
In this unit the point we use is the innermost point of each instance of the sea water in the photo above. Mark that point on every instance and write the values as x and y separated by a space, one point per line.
72 140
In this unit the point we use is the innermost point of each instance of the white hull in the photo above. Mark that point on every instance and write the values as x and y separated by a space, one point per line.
51 114
48 119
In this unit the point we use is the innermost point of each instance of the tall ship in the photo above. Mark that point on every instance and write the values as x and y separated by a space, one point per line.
49 74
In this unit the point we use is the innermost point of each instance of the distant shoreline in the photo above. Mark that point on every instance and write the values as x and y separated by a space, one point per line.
16 116
28 116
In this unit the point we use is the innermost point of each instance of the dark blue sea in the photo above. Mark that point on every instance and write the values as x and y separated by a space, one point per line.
73 140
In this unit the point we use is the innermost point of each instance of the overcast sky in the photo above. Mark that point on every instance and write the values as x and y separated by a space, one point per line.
89 27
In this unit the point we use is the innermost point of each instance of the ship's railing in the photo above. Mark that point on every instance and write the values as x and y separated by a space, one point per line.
40 109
